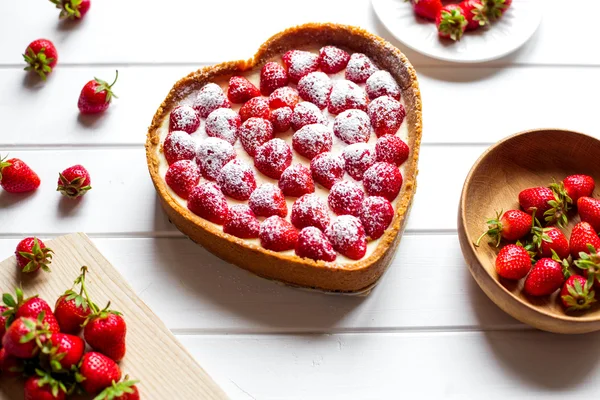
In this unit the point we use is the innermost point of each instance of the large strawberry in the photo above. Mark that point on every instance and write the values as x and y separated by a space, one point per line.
589 211
582 236
41 57
72 9
17 177
31 307
72 309
577 293
32 255
451 22
64 351
475 13
125 390
550 239
74 181
513 262
105 332
511 225
427 8
44 387
577 186
546 276
543 201
24 337
97 372
96 95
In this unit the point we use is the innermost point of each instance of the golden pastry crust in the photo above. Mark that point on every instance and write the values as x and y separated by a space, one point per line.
359 276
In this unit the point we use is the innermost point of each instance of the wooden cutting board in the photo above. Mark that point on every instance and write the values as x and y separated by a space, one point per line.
154 356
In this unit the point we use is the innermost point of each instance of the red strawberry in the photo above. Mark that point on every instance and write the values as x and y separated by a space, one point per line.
386 115
268 200
237 180
281 118
312 243
577 186
64 351
72 309
32 308
332 59
177 146
212 155
74 181
383 179
125 390
359 68
209 98
300 63
17 177
358 158
273 157
72 9
310 210
511 225
44 387
223 123
184 118
284 97
315 87
589 262
277 234
257 107
241 222
307 113
346 95
296 181
496 8
589 211
551 239
96 95
41 57
255 132
451 22
347 236
475 13
352 126
391 149
182 176
427 8
545 278
311 140
3 319
327 169
582 235
10 366
24 337
382 83
105 332
208 202
545 202
272 76
241 90
346 197
577 293
97 372
513 262
32 254
376 214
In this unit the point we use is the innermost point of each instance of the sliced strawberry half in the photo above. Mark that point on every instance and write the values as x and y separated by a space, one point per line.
273 157
313 244
346 95
184 118
300 63
376 214
333 59
209 98
207 201
223 123
296 181
277 234
241 90
346 198
241 222
386 114
281 118
272 76
352 126
382 83
182 176
347 236
327 169
212 155
311 140
255 132
358 158
306 113
236 180
310 210
268 200
360 68
178 145
391 149
383 179
315 87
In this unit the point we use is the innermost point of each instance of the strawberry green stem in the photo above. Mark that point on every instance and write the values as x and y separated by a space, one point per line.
87 295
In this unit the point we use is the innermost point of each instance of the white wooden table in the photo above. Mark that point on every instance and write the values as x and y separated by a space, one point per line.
427 331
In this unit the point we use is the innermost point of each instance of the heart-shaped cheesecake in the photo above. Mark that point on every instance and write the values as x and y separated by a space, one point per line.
299 164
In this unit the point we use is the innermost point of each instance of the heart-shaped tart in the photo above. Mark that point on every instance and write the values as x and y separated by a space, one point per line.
299 164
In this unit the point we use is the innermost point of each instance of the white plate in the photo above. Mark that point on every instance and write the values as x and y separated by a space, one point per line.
503 37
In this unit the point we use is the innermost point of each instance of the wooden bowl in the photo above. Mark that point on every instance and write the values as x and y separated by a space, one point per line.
527 159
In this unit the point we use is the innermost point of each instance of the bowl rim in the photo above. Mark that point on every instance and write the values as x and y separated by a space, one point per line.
471 246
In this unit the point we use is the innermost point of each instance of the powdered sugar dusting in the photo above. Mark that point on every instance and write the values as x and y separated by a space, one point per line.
237 180
281 119
254 132
184 118
311 140
352 126
376 214
315 87
209 98
179 145
327 168
386 115
345 198
300 63
312 243
358 158
223 123
296 181
383 179
307 113
332 59
212 155
382 83
359 68
310 210
277 234
208 202
273 157
346 95
347 236
268 200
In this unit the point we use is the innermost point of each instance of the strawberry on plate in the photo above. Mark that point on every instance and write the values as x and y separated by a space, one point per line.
513 262
496 8
511 225
41 57
475 13
72 9
32 255
74 181
17 177
428 9
96 96
451 22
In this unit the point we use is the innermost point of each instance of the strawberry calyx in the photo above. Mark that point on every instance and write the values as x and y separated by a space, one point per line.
480 14
589 262
540 234
38 331
3 164
104 86
580 297
47 380
564 263
116 390
68 8
452 23
494 230
38 62
38 257
559 206
13 304
73 188
495 8
96 313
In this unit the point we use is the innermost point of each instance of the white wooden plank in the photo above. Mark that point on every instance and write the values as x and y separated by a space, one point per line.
123 199
193 291
150 31
458 365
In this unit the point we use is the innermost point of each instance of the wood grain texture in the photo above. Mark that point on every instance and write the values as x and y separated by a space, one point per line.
154 356
528 159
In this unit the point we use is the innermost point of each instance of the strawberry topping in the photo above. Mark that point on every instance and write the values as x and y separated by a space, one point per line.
391 149
223 123
284 97
345 197
268 200
281 118
383 179
241 222
237 180
300 63
241 90
315 87
255 132
212 155
386 115
277 234
207 201
184 118
352 126
209 98
327 169
296 181
310 210
182 176
273 157
177 146
376 214
359 68
311 140
382 83
358 158
346 95
307 113
332 59
312 243
256 107
272 76
347 236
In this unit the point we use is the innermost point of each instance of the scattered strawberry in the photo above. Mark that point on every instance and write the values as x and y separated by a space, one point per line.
208 202
72 308
386 114
273 157
17 177
241 90
32 254
125 390
41 57
257 107
223 123
346 95
545 278
511 225
311 140
281 118
184 118
496 8
589 211
10 366
359 68
44 387
550 239
428 9
24 337
255 132
346 197
475 13
272 76
182 176
209 98
383 179
451 22
327 169
313 244
352 126
582 235
358 158
284 97
513 262
97 372
178 146
332 59
307 113
277 234
347 236
376 214
315 87
382 83
96 95
310 210
105 331
241 222
577 186
577 293
268 200
64 351
212 155
72 9
545 202
391 149
296 181
237 180
300 63
74 181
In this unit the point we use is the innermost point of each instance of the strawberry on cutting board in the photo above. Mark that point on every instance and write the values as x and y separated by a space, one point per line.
17 177
97 372
41 57
96 96
105 332
428 9
125 390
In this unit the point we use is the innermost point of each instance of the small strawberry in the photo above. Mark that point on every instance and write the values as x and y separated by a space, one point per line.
577 186
545 202
475 13
41 57
281 118
72 309
312 140
273 157
513 262
358 158
10 366
32 307
391 149
223 123
182 176
125 390
582 235
272 76
315 87
306 113
64 351
241 90
347 236
268 200
277 234
237 180
74 181
296 181
383 179
3 321
546 276
97 372
427 8
241 222
184 118
589 211
300 63
352 126
332 59
496 8
105 331
32 255
346 197
44 387
451 22
178 146
376 214
255 132
577 293
511 225
312 243
207 201
359 68
24 337
550 239
382 83
346 95
17 177
310 210
386 114
284 97
327 169
96 95
72 9
257 107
